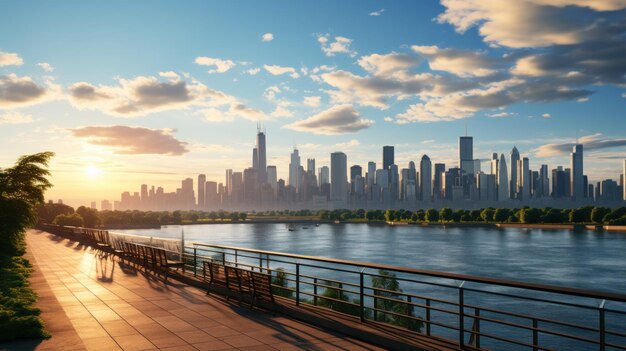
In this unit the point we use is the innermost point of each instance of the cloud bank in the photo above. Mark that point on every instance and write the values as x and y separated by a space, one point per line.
132 140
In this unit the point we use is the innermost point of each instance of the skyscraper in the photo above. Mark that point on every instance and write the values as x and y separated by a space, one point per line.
339 178
523 179
425 179
294 170
577 182
324 175
513 173
371 175
388 156
466 154
261 153
624 181
201 184
503 180
272 179
440 169
310 166
394 182
355 171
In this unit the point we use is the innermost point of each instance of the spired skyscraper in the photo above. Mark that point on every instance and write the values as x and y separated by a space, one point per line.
388 156
513 173
260 158
339 178
466 154
577 180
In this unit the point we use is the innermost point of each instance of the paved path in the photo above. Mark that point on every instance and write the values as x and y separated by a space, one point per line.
112 307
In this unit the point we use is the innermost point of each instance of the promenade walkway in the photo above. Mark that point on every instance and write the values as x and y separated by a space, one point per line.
95 303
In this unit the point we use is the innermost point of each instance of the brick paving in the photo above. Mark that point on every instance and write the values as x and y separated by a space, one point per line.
115 307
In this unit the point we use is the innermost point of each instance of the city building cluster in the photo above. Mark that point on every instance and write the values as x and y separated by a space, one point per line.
509 182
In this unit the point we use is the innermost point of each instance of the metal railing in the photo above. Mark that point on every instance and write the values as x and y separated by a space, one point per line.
480 313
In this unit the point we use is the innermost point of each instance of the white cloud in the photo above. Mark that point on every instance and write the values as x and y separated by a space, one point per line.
348 144
132 140
270 92
282 110
14 117
235 110
170 75
280 70
23 91
10 59
46 66
339 119
502 114
146 94
377 13
340 45
590 143
387 65
462 63
546 115
312 101
253 71
220 66
267 37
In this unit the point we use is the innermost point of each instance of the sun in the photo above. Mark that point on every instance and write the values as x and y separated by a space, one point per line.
93 172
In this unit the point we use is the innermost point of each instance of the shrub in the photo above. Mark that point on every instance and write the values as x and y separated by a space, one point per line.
74 220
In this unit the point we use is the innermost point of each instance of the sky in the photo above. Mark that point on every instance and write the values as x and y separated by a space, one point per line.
152 92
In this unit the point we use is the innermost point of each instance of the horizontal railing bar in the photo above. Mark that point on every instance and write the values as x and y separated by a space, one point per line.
536 299
329 280
540 319
413 295
329 298
612 332
454 276
616 346
560 334
511 341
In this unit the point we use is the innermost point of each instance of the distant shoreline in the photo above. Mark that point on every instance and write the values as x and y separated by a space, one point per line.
379 223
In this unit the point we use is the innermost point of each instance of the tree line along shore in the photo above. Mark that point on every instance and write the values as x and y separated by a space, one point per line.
61 214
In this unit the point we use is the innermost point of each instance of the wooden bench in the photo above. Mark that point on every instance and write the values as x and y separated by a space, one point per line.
163 263
256 285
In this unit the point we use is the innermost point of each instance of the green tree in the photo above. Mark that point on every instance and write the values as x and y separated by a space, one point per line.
530 215
90 216
243 216
487 214
22 188
73 220
234 216
390 215
432 215
386 286
501 215
445 214
598 213
46 212
177 217
281 284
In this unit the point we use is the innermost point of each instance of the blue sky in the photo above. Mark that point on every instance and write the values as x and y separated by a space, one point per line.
154 91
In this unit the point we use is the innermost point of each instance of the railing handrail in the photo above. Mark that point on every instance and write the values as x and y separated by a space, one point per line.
455 276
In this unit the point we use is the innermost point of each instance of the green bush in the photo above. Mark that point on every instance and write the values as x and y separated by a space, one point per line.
432 215
74 220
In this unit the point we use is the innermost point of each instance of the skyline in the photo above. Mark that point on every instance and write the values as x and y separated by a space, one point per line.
326 77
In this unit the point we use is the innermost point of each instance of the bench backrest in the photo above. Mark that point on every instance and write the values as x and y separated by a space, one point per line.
262 285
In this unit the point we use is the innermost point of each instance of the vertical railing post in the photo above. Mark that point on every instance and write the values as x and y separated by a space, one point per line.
535 335
260 262
428 317
362 295
236 259
602 326
315 291
375 305
461 315
475 336
297 284
224 258
195 260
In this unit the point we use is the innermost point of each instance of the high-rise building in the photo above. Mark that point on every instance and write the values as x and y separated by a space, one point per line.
249 185
144 194
486 184
394 182
388 156
544 181
229 180
211 199
355 171
294 170
201 197
371 176
466 154
440 169
624 181
324 175
310 166
513 173
338 178
503 180
523 178
261 153
560 182
272 179
425 179
577 182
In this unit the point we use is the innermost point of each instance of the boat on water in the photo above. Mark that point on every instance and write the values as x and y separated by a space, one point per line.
291 227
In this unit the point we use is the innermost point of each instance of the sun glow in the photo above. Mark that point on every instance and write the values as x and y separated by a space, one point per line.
92 171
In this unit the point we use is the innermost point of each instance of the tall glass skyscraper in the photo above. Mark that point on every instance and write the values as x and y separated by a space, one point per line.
388 156
339 178
577 181
466 154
